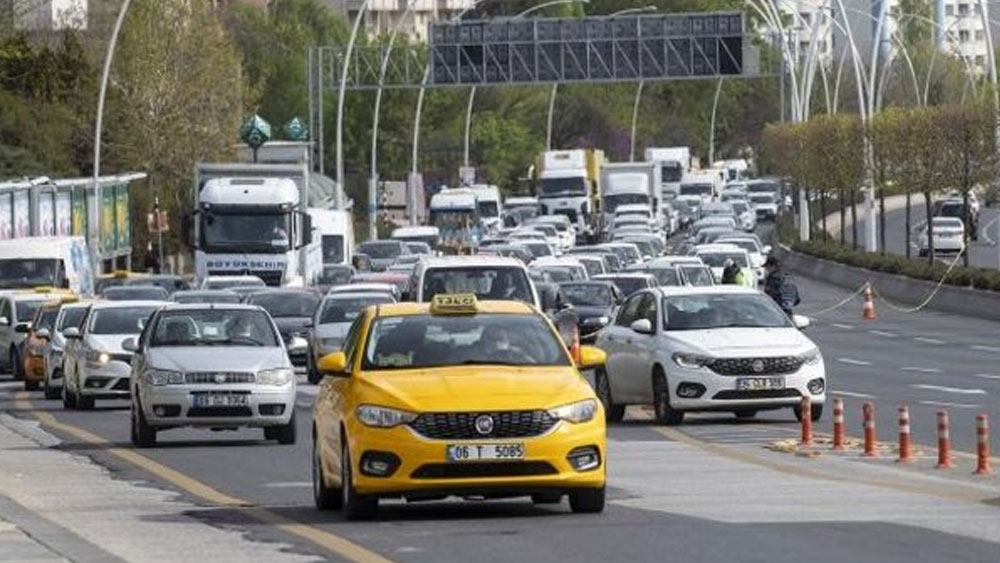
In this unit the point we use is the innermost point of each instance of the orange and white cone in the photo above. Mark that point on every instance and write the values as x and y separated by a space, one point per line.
868 310
944 442
983 446
904 435
838 425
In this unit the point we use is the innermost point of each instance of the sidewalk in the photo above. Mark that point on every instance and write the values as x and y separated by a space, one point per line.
55 506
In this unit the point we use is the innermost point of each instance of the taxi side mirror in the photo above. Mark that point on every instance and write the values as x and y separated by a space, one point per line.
591 357
334 364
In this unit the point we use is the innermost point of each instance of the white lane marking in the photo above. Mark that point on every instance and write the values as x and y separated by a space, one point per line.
922 370
853 362
289 484
852 394
883 333
926 340
955 390
984 348
953 405
843 326
986 376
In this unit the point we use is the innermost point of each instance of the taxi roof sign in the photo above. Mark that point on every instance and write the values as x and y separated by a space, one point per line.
454 304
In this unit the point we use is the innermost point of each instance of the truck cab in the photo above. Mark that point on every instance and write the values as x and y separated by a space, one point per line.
455 213
246 225
674 163
568 185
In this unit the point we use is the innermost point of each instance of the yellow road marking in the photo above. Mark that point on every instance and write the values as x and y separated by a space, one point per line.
326 540
945 492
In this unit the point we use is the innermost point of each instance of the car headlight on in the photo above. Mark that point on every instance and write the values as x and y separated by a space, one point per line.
596 321
582 411
812 357
691 361
276 377
160 377
98 358
383 417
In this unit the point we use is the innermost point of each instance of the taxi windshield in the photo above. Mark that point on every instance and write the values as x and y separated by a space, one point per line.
426 341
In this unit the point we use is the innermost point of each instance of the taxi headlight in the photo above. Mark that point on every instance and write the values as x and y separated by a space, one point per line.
582 411
812 357
159 377
691 361
99 358
383 417
276 377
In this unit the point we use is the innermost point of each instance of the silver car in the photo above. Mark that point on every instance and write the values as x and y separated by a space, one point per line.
211 366
70 315
331 322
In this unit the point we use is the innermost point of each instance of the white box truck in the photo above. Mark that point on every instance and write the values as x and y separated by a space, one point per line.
628 183
674 163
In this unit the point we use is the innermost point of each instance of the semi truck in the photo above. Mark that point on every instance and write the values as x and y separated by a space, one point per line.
629 183
674 163
568 183
253 219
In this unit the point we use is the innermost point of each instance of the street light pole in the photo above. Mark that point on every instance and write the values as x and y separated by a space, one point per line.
345 65
94 226
711 132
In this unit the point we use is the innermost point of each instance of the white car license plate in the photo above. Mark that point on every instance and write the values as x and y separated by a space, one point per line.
759 383
220 400
481 452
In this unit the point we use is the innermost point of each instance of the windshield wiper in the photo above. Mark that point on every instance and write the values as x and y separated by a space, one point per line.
479 362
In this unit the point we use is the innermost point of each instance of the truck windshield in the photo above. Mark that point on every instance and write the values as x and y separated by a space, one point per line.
488 209
259 232
333 249
696 189
564 186
17 273
611 202
671 172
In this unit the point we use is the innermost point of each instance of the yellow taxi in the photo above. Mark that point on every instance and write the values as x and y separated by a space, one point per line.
114 279
458 397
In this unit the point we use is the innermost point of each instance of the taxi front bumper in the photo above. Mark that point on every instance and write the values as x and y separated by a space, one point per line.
424 469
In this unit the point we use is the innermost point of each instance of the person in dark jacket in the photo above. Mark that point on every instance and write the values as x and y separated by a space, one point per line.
731 273
779 286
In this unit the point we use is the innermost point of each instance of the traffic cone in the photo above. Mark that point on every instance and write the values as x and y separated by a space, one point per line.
868 311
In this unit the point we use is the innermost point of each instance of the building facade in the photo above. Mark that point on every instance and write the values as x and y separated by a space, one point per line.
410 17
49 15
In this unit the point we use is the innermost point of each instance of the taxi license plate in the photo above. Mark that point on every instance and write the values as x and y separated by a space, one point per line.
485 452
759 383
220 400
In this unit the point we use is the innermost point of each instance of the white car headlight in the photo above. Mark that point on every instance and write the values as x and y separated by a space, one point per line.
276 377
691 361
98 357
576 413
160 377
812 357
383 417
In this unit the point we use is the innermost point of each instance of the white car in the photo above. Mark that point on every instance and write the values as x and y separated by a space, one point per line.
564 227
715 255
765 206
211 366
745 215
70 315
576 268
722 348
757 253
95 364
949 236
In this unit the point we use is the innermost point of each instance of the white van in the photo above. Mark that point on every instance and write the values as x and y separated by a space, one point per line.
488 277
490 203
61 262
335 230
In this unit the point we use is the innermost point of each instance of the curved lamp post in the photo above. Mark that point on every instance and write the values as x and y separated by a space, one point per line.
340 101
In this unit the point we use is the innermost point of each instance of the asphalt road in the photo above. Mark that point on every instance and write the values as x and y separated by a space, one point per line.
982 253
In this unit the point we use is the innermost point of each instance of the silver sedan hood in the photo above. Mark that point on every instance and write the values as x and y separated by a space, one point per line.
216 358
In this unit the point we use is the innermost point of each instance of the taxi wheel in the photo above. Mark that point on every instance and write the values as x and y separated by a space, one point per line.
143 435
326 498
285 435
51 393
355 506
665 414
816 412
612 412
587 502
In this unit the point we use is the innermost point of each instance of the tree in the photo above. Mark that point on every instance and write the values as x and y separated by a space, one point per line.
176 99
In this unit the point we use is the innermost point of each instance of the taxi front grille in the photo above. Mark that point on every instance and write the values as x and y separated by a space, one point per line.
764 366
218 378
462 425
483 469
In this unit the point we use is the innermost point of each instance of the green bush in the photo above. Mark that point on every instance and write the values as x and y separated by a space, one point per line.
979 278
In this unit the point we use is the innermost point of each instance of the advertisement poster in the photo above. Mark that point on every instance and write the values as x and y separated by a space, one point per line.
22 214
6 216
107 219
123 216
79 213
64 214
46 215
